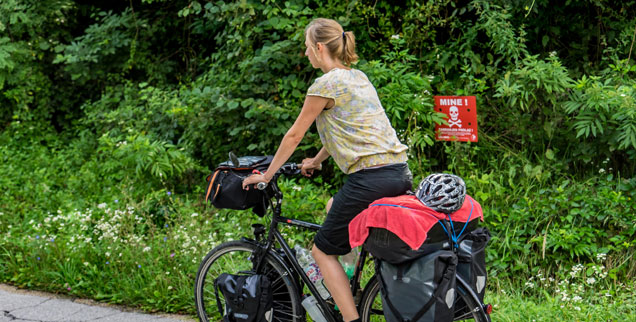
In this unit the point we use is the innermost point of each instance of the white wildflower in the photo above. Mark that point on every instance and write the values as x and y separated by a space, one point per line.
101 205
591 280
395 36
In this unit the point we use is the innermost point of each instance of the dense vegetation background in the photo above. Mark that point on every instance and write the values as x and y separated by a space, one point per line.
113 112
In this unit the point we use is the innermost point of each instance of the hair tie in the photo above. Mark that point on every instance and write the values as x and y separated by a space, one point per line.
343 34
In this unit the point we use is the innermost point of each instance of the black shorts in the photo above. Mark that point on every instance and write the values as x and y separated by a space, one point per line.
358 192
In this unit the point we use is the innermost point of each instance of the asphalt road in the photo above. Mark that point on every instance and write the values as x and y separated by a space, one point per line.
32 306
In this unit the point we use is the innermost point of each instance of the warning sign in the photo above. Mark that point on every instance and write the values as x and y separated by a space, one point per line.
461 114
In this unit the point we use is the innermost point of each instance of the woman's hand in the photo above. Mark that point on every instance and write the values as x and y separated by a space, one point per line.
254 179
308 167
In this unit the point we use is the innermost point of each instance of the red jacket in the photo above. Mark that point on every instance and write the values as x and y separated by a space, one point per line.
406 217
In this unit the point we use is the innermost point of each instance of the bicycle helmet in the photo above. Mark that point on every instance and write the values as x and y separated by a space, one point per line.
442 192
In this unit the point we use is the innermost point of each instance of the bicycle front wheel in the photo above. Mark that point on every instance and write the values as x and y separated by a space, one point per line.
234 257
371 310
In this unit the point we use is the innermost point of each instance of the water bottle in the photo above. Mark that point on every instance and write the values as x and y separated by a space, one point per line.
349 262
311 269
311 306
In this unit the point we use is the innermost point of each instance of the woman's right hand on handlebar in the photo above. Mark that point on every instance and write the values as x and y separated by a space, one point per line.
308 166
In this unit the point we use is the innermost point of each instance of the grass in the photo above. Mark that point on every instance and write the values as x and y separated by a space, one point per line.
119 253
514 307
113 253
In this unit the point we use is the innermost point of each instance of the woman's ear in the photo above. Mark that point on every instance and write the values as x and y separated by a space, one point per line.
319 46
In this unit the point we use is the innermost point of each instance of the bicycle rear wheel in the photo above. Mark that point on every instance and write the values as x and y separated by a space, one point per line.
370 306
233 257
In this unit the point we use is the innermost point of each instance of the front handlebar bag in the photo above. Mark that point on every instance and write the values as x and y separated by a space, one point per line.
225 185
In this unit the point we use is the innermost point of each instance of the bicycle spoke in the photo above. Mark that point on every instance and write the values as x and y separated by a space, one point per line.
277 284
464 316
286 311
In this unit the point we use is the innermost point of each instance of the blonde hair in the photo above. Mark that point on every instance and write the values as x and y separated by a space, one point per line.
340 44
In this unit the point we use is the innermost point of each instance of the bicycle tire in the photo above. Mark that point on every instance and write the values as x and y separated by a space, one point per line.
233 257
370 306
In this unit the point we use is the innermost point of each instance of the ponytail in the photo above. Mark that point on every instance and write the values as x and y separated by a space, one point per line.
340 44
349 55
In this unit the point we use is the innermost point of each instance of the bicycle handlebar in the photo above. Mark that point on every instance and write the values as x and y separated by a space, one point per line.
287 169
261 185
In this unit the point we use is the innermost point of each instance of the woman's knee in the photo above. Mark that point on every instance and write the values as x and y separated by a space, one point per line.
316 253
319 255
329 203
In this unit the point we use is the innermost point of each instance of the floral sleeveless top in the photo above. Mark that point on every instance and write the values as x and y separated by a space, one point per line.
355 131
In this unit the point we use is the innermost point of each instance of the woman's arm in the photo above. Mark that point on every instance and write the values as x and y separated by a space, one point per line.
321 156
312 107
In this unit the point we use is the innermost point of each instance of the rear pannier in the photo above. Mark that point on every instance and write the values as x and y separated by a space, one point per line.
472 262
420 290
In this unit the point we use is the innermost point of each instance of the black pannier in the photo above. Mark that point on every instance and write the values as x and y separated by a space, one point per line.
420 290
248 297
387 246
224 188
471 255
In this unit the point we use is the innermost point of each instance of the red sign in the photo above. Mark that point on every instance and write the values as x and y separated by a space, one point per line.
461 115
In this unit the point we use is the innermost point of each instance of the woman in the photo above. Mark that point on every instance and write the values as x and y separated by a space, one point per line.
357 134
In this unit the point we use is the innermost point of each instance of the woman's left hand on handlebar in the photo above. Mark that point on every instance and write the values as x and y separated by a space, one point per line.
253 179
308 167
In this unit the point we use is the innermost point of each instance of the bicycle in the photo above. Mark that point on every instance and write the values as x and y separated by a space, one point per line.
261 254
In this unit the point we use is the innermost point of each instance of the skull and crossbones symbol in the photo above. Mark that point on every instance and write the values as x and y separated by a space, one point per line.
454 117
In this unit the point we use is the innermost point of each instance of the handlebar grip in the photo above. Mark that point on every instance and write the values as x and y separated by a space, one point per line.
261 185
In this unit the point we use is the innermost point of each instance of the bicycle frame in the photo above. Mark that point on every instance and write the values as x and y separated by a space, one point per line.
275 235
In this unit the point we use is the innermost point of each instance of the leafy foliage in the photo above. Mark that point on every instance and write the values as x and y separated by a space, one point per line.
134 102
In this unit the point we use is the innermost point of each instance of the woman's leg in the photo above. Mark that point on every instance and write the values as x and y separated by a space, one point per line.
337 282
359 190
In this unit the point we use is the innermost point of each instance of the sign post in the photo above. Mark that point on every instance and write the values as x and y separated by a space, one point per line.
461 113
